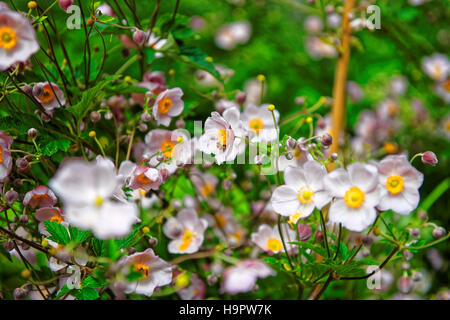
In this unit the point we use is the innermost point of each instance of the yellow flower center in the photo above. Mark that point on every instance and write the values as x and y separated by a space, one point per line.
305 195
354 197
143 269
236 236
98 201
222 221
395 184
273 244
47 94
222 136
8 38
164 105
438 71
168 149
294 218
40 197
256 125
1 154
207 190
56 219
143 179
390 147
187 238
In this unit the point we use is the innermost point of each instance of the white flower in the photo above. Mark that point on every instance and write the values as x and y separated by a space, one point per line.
156 43
220 137
232 34
356 193
5 155
86 190
17 39
51 96
399 182
303 190
301 156
168 104
155 272
437 66
242 277
145 178
269 239
186 231
443 90
259 123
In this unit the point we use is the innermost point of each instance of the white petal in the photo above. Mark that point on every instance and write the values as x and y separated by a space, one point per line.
285 201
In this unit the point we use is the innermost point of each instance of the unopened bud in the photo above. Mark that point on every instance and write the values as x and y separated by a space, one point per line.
95 116
299 101
65 4
289 155
417 276
180 124
146 117
241 97
139 37
404 284
226 184
153 242
32 132
415 233
143 127
439 232
304 232
11 196
367 240
22 163
291 143
27 89
8 245
318 236
429 158
211 279
326 140
407 255
19 294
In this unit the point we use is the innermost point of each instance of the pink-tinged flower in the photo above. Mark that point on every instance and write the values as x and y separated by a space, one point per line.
48 214
156 43
206 79
258 121
223 136
87 190
5 155
29 254
194 291
356 194
3 6
40 196
226 228
269 239
303 190
155 272
318 48
232 34
106 10
17 38
168 104
50 96
186 231
437 66
313 24
243 276
175 146
400 183
145 178
398 85
205 183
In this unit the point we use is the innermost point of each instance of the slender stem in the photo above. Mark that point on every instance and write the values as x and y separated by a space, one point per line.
284 243
338 241
324 230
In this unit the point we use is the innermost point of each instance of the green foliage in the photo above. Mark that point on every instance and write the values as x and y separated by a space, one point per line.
58 232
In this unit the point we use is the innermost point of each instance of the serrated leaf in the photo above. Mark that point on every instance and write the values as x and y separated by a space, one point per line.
87 294
91 282
99 247
319 250
58 232
64 290
78 235
56 145
128 240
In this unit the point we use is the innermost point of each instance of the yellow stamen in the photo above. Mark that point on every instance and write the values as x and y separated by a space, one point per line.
143 179
8 38
47 94
305 195
222 220
143 269
187 238
354 197
164 105
1 154
256 125
207 190
395 184
168 149
98 201
56 219
222 136
274 244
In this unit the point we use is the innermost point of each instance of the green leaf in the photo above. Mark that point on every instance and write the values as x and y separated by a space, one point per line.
112 249
319 250
64 290
5 253
78 235
197 58
56 145
128 240
87 294
58 232
90 97
99 247
91 282
239 200
183 187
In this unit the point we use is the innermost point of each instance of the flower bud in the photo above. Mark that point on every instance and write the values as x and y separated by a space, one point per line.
417 276
32 132
65 4
11 196
143 127
318 236
17 183
95 116
367 240
404 284
289 156
299 101
226 184
304 232
139 37
22 164
108 115
146 117
291 143
8 245
439 232
422 214
211 279
19 294
241 97
180 124
27 89
327 140
37 90
415 233
407 255
429 158
153 242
